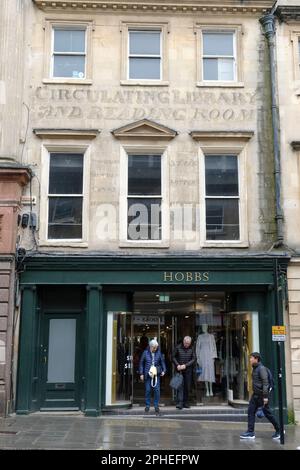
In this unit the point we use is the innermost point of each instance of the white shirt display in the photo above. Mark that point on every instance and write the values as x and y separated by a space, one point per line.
206 352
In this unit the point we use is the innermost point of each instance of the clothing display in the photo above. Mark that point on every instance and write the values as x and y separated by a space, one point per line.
206 352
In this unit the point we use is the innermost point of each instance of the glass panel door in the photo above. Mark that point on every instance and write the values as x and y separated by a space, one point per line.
242 338
119 358
61 354
61 361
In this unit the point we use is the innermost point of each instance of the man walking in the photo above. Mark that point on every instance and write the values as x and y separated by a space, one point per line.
184 358
260 397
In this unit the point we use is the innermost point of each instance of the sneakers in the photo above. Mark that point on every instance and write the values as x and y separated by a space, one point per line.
179 407
247 435
276 435
157 411
147 409
186 405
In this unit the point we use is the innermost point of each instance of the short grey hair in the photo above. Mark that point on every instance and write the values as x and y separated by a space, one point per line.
187 338
153 343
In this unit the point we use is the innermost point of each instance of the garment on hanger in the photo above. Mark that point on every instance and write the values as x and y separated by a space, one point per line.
206 352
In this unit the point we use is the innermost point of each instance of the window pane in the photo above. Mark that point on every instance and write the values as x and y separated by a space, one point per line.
66 171
222 219
218 44
144 219
226 69
144 42
144 68
210 69
144 175
69 40
221 175
61 356
65 217
69 66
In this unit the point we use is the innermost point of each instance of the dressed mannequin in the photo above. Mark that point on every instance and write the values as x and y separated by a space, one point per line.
206 352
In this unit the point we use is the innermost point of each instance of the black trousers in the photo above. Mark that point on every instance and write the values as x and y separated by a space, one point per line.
183 392
255 403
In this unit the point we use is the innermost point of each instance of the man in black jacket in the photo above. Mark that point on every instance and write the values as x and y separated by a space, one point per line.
260 397
184 358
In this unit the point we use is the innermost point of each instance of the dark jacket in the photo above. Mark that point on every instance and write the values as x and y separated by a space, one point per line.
146 362
260 380
182 355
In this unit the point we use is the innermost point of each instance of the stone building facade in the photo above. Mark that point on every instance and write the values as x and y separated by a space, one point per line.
288 60
163 106
13 177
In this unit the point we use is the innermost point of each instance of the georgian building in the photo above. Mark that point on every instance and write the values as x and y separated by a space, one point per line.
288 79
152 208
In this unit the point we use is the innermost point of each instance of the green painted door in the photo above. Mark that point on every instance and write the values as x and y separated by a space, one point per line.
61 361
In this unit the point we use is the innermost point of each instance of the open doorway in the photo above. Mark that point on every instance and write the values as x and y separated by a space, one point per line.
168 317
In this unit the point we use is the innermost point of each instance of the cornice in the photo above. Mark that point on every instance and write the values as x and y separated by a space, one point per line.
288 13
173 6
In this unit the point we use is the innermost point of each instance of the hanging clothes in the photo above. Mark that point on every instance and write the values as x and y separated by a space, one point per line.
206 352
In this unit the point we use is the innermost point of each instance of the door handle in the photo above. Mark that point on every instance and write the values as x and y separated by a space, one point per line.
45 359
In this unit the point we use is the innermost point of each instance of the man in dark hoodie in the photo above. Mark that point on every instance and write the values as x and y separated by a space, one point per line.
260 397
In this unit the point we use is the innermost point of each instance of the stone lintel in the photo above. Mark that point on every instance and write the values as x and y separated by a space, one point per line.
66 133
222 135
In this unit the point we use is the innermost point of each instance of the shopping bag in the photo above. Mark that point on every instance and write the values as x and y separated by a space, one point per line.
176 381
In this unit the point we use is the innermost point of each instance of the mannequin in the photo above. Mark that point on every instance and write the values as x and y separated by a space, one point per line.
206 352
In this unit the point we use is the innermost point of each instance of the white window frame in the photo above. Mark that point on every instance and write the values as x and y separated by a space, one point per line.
295 40
125 29
50 27
47 149
231 57
145 56
223 197
240 152
237 32
123 216
75 54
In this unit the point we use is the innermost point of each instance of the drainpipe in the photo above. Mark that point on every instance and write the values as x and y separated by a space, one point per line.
268 24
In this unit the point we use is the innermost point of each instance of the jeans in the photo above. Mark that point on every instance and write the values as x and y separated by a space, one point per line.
183 392
156 390
256 402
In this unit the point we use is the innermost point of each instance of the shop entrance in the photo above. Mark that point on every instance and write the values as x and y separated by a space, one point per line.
222 340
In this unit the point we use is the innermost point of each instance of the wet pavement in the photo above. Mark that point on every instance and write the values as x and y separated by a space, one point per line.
75 431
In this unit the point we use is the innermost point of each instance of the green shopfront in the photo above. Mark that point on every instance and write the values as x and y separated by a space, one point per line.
85 321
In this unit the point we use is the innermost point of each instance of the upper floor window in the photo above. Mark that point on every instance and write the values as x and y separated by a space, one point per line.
144 55
65 196
144 197
69 52
222 198
219 56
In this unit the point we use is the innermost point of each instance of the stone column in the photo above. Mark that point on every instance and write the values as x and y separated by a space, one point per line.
26 350
11 78
93 359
